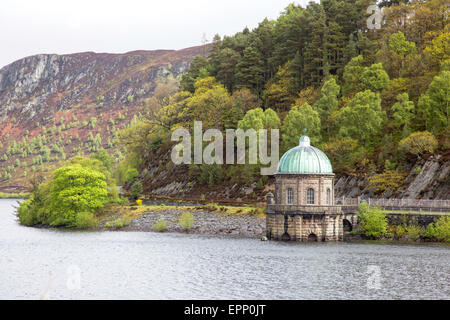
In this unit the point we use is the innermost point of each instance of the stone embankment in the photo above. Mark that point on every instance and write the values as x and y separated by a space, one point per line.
205 222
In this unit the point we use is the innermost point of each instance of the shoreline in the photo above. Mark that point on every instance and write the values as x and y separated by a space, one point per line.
205 222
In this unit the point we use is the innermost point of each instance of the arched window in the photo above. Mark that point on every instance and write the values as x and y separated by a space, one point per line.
328 196
290 196
310 196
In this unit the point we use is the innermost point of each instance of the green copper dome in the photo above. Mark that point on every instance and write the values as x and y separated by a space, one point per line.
305 159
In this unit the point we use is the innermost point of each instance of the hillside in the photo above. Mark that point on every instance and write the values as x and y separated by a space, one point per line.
374 99
55 106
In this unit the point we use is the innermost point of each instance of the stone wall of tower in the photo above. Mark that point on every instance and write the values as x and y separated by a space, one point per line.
300 183
305 227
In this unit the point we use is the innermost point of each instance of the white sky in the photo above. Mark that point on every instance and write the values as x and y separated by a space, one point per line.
30 27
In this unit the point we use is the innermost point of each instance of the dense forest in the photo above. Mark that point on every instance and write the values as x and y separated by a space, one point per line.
375 100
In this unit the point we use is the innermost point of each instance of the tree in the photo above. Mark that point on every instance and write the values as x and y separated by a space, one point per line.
343 154
104 157
195 72
401 47
419 143
403 111
207 104
258 119
439 47
76 189
374 78
298 121
433 106
250 71
226 69
280 95
352 72
362 118
328 102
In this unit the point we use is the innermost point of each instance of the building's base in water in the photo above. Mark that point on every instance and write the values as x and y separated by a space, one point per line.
308 226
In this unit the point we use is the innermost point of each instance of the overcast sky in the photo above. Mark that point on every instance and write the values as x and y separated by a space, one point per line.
50 26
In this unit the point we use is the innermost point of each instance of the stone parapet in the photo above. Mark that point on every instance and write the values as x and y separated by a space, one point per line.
302 209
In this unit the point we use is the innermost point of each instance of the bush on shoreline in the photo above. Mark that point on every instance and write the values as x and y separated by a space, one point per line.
373 221
436 231
118 223
186 221
85 220
160 225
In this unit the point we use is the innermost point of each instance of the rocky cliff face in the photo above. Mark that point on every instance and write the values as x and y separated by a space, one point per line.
426 180
65 92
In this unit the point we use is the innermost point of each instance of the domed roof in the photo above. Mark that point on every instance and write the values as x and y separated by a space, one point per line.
304 159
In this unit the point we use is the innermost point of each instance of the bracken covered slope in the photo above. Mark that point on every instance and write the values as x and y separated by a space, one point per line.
62 102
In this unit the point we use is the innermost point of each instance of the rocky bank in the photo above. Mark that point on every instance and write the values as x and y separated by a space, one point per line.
205 222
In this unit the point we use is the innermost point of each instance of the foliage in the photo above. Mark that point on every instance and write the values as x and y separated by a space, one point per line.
362 118
118 223
259 119
136 190
343 154
328 102
85 220
160 225
77 187
439 230
374 78
434 104
419 143
373 222
403 111
414 232
131 175
186 220
388 180
299 121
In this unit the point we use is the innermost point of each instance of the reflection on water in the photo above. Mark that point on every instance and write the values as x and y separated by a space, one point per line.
54 264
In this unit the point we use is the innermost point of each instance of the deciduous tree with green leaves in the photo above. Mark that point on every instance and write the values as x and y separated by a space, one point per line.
362 118
299 121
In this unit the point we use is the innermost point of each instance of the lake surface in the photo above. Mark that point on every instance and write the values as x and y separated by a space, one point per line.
55 264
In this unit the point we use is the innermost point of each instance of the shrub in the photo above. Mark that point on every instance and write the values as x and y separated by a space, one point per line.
118 223
388 180
430 231
186 221
373 221
85 220
160 225
114 224
442 229
414 232
400 232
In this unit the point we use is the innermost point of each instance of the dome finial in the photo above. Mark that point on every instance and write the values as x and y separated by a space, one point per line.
304 141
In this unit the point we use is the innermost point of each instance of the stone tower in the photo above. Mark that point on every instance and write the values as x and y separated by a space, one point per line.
303 207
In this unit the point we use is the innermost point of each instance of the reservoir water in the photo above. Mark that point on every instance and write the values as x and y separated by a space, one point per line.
55 264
